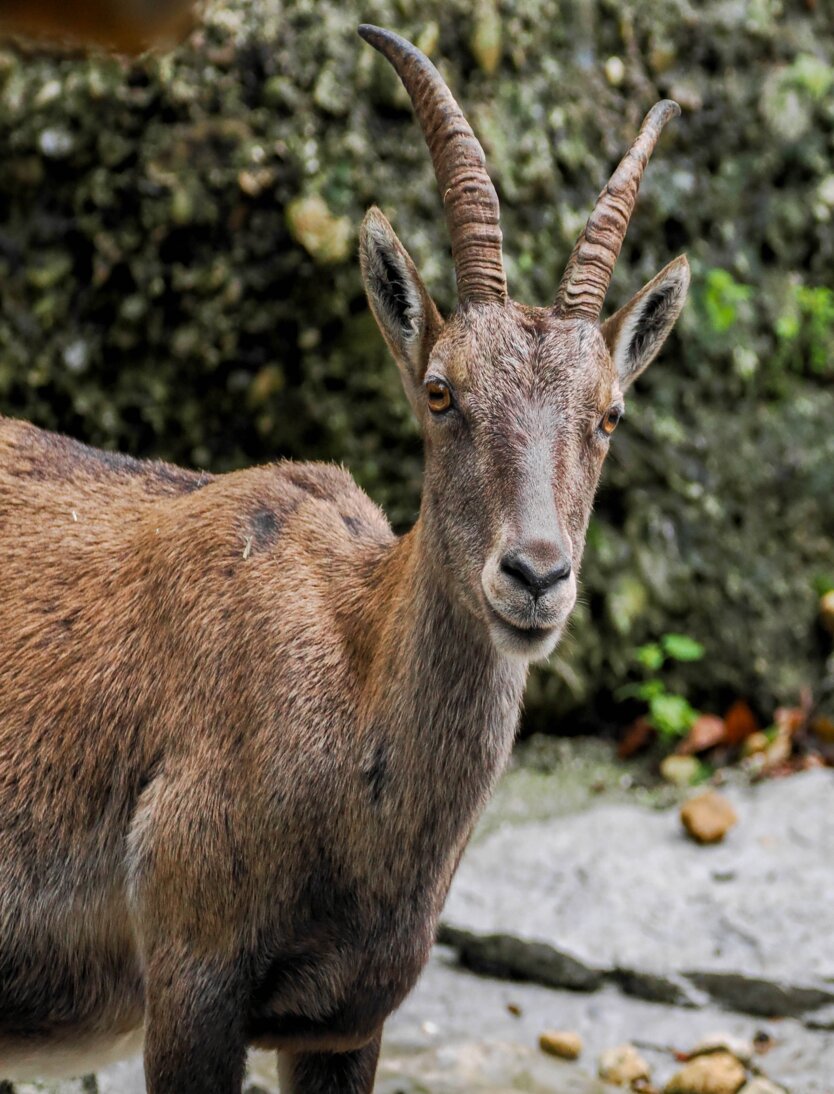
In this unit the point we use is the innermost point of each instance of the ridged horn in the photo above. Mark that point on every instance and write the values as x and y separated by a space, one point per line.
469 198
588 273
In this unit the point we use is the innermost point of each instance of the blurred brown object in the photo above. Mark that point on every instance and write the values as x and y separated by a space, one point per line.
708 817
827 611
637 737
739 723
707 731
126 26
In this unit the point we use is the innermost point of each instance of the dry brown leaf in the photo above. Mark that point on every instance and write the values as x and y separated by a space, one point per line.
707 731
739 723
637 736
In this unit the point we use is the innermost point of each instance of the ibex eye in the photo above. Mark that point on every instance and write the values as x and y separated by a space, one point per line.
440 398
610 420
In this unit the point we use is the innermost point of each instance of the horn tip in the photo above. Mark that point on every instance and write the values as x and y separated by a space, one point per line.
665 110
376 36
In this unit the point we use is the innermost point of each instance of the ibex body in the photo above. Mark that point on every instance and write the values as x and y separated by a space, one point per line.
245 731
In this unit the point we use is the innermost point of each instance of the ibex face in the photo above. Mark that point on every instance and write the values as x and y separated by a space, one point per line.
516 404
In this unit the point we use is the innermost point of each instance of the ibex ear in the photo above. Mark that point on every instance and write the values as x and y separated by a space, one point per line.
636 332
407 317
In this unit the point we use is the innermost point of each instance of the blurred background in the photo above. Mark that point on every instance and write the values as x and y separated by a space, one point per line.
178 278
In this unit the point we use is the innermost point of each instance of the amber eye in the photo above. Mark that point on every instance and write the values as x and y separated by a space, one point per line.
440 398
610 420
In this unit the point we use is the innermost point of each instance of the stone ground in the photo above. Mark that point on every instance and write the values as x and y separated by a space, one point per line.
580 882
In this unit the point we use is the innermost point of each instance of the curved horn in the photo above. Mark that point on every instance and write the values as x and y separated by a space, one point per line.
469 197
588 273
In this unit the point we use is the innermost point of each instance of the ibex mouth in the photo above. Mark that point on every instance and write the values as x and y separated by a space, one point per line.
519 639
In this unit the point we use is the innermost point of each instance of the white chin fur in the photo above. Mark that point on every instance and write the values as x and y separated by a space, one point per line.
516 645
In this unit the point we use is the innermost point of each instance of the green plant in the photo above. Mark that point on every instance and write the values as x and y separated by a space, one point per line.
805 331
670 715
723 299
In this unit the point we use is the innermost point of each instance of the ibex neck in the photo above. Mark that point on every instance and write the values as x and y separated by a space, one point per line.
441 705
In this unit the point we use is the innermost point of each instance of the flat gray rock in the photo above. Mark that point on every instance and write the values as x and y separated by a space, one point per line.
618 893
459 1033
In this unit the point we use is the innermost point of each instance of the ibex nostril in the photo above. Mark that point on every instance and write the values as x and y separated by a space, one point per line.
534 580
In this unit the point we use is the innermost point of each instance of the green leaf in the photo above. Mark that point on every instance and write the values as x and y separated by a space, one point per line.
723 298
650 690
671 715
650 656
681 647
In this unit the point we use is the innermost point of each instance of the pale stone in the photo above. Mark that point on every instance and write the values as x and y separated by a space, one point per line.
708 817
717 1073
739 1047
623 1065
560 1042
680 770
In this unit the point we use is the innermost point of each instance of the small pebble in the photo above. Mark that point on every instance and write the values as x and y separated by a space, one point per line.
763 1041
755 743
680 770
615 71
708 817
739 1047
623 1065
717 1073
761 1086
563 1043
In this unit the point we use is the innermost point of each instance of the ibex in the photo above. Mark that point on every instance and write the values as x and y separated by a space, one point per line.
245 731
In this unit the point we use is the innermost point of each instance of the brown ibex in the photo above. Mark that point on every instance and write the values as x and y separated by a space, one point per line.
245 731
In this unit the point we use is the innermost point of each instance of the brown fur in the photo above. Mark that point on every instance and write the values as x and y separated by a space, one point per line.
129 26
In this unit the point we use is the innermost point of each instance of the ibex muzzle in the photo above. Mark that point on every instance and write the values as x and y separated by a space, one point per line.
245 731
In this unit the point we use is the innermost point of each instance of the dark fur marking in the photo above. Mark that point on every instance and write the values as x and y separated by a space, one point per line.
309 479
376 774
353 524
265 528
147 776
49 456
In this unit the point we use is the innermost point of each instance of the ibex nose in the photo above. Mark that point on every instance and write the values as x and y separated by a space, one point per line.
536 576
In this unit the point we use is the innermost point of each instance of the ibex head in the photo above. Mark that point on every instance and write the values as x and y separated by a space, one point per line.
516 403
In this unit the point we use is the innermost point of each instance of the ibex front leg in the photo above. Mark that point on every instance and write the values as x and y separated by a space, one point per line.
188 922
194 1039
329 1072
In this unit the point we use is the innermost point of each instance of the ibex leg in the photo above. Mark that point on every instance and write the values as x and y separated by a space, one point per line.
329 1072
194 1038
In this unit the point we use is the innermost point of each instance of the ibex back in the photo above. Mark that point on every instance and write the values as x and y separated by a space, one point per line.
245 731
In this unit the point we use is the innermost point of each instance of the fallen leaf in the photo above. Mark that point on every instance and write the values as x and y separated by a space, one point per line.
638 735
823 727
739 723
789 720
707 731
